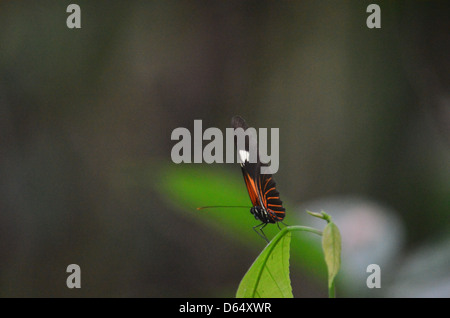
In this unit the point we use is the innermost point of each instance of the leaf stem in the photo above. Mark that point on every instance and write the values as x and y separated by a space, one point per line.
331 291
304 228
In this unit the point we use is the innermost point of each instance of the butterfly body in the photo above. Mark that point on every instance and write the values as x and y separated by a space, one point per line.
262 214
267 206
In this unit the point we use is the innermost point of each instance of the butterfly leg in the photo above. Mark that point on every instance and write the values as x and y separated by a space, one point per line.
259 230
278 224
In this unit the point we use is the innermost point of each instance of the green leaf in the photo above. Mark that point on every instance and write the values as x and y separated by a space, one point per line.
269 274
322 215
316 214
331 244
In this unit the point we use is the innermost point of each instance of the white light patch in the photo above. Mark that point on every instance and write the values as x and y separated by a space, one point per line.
244 155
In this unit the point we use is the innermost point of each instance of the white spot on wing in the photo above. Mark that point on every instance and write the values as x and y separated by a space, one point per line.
244 155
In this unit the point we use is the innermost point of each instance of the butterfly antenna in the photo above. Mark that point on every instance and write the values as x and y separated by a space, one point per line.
223 206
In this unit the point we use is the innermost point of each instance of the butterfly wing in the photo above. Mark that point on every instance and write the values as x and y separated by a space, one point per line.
271 198
249 170
261 187
251 187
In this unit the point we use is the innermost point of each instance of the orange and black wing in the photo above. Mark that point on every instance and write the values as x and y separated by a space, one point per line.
252 187
263 192
249 169
270 197
261 188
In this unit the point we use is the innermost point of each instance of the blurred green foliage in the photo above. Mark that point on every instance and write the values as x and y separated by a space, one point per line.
191 186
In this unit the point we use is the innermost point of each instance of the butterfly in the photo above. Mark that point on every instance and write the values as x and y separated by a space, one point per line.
267 205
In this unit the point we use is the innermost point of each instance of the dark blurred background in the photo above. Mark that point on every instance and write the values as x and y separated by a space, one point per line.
364 118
